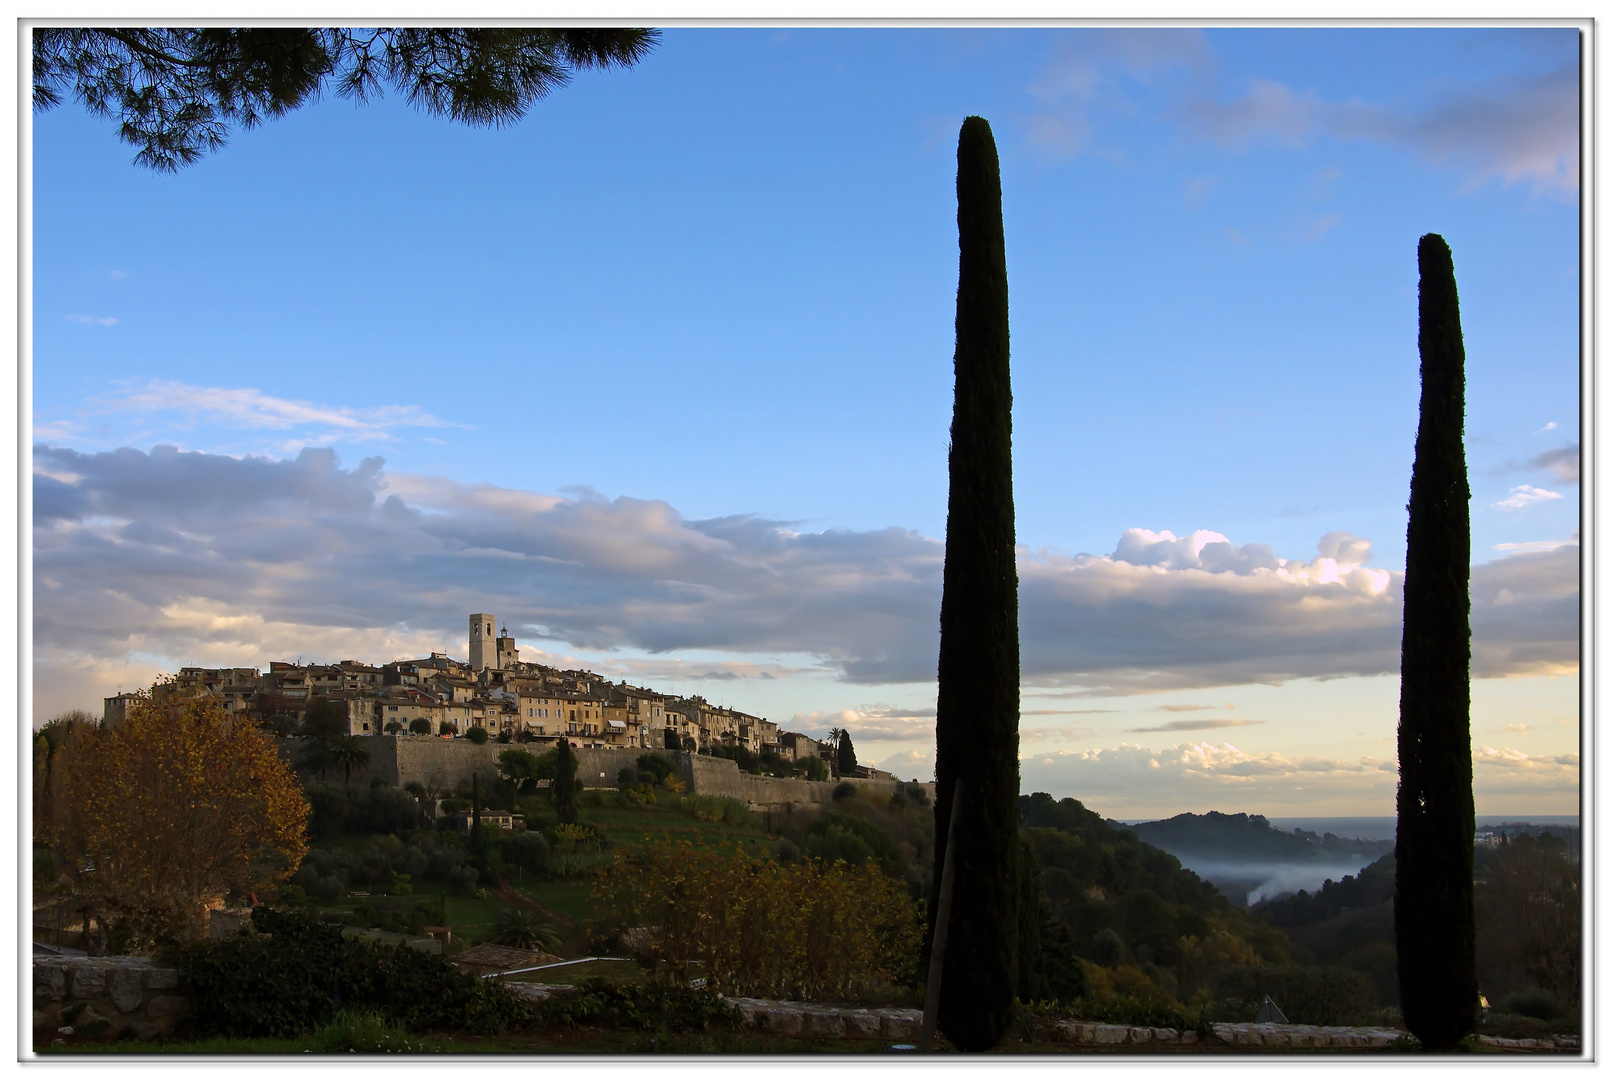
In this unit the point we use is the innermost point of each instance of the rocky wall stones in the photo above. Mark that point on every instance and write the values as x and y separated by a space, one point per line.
103 997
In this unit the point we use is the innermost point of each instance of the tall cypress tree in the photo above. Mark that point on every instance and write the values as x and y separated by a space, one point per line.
564 787
846 755
1435 800
978 672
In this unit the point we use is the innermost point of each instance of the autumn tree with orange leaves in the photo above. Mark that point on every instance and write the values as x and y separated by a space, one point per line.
180 803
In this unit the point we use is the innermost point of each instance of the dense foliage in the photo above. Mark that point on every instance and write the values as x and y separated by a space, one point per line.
1121 902
178 90
652 1007
345 808
1528 916
293 974
1435 800
179 803
760 927
978 670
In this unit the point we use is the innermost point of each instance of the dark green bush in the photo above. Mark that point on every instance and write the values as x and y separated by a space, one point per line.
346 808
650 1007
1537 1004
293 976
1305 993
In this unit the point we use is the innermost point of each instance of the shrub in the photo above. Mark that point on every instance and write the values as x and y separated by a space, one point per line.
658 765
653 1006
478 735
836 835
844 790
363 1032
289 978
338 808
420 726
761 927
528 850
1305 993
715 808
1537 1004
445 728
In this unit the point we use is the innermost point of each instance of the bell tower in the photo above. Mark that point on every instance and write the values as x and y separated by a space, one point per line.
483 643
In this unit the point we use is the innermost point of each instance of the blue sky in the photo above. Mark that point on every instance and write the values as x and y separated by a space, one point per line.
661 374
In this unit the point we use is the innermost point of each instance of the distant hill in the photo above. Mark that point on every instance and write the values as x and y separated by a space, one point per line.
1250 838
1117 901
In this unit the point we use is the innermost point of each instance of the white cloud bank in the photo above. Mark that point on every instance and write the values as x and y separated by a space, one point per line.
165 557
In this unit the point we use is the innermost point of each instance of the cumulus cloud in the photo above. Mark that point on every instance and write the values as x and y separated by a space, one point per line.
205 558
876 723
1510 127
911 765
1525 495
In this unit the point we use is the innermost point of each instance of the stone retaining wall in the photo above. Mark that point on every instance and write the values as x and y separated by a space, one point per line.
111 995
448 764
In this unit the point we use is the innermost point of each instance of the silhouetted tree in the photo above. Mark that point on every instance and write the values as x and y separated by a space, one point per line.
1435 801
846 756
177 90
564 787
978 672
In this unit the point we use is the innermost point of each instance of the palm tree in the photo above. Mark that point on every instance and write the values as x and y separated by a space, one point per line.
524 930
349 753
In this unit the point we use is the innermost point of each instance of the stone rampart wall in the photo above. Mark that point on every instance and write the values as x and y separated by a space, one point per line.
448 764
104 997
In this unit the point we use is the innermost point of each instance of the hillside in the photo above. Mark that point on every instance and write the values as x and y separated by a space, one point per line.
1122 901
1250 838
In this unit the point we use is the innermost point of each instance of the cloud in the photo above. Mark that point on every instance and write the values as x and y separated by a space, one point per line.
1549 426
1509 127
117 275
93 320
188 557
1132 782
876 723
1564 463
249 408
1191 708
1525 495
911 765
1091 77
1198 725
1518 729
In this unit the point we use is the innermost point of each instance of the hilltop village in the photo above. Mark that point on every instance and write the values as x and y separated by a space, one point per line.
438 696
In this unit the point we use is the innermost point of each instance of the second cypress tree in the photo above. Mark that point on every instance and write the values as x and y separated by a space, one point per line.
978 674
1435 800
564 787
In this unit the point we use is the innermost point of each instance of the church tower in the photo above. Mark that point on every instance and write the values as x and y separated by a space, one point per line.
483 646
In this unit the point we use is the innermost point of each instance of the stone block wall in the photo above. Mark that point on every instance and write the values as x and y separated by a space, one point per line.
104 997
448 764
